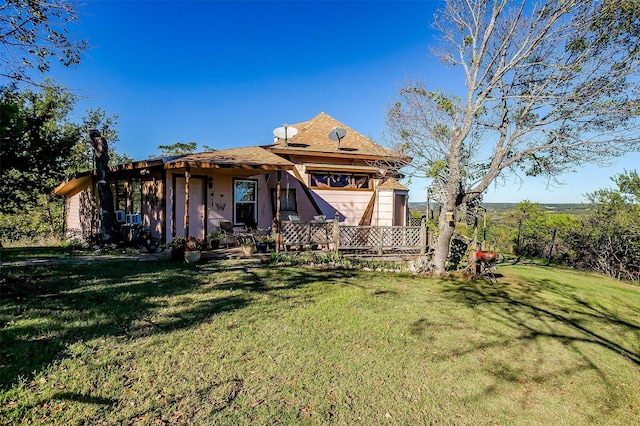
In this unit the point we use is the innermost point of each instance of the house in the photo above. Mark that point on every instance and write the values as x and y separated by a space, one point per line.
350 177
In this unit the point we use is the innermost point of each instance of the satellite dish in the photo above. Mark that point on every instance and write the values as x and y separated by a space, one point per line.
286 132
336 134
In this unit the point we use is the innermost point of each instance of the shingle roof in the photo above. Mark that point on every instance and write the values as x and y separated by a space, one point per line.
391 183
246 161
313 137
253 157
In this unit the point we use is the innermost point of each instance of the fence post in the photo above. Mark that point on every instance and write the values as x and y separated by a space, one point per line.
423 237
336 232
380 236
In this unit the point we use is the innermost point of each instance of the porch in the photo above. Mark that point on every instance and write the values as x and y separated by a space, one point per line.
331 235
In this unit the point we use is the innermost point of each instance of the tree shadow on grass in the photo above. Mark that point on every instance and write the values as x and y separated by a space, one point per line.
565 316
86 399
45 309
279 280
538 312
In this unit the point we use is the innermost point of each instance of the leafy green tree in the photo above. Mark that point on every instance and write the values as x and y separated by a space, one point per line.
548 85
40 148
562 227
81 157
36 137
609 239
531 231
34 32
178 148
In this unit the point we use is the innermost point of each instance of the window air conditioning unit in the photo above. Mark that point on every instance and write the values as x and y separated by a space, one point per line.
120 216
134 219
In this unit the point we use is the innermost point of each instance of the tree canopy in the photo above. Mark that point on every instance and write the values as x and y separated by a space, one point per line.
178 148
608 240
549 85
41 146
37 138
34 32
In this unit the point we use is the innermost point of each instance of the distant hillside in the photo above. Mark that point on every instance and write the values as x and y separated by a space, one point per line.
574 208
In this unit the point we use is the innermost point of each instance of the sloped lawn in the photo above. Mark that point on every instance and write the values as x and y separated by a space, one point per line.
126 342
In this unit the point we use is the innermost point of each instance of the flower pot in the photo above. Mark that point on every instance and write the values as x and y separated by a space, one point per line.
261 247
215 244
177 255
192 256
248 249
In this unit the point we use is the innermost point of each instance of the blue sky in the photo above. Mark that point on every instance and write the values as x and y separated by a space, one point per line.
225 74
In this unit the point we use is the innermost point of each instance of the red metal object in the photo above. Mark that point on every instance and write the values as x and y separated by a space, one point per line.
486 256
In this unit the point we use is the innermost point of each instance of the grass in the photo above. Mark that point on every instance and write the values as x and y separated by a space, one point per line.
126 342
39 252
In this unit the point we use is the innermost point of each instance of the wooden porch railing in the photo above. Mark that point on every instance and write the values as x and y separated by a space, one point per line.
373 239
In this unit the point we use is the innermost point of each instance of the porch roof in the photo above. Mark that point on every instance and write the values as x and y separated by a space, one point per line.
74 184
341 168
239 161
254 158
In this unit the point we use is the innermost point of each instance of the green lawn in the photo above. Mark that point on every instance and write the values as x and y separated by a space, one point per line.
126 342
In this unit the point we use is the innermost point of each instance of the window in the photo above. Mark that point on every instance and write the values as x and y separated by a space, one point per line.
136 195
121 195
333 180
128 195
245 201
288 204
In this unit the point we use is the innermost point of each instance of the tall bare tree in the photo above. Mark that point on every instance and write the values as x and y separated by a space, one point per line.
549 85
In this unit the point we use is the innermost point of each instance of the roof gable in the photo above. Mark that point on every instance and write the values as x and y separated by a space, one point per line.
313 137
391 183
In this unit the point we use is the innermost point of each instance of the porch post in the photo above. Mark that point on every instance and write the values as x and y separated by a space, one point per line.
278 235
336 231
187 176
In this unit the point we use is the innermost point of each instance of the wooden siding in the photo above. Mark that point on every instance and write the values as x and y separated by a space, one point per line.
152 207
383 211
350 204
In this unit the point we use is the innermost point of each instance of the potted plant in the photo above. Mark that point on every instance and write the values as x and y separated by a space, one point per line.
272 240
177 247
247 244
193 249
264 242
261 245
215 237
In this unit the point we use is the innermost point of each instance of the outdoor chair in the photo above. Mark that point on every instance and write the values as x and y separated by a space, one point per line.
233 233
229 231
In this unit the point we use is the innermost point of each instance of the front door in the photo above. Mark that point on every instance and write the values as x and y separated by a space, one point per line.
196 206
399 210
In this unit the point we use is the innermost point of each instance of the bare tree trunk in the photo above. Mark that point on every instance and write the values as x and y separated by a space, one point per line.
52 229
447 227
107 210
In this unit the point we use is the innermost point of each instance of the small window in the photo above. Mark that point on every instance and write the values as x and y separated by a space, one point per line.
361 181
330 180
288 203
136 195
245 199
121 195
129 193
